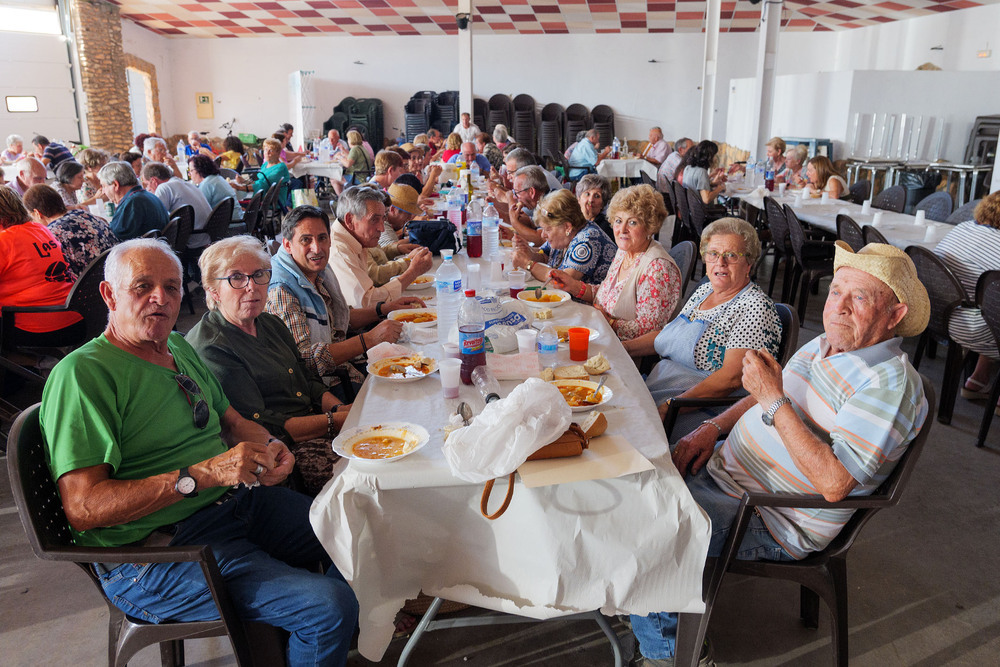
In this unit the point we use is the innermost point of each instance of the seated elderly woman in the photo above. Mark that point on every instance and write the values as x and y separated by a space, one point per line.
971 249
30 277
205 174
453 146
69 180
822 177
594 192
92 160
14 150
643 282
795 165
257 362
83 236
355 162
501 137
699 172
577 247
273 171
702 349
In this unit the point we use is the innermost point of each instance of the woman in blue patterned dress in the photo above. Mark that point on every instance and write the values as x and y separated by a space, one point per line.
83 236
578 247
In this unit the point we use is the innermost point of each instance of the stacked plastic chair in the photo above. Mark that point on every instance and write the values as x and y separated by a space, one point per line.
499 113
577 119
550 130
480 112
444 115
524 120
417 117
368 112
337 121
604 123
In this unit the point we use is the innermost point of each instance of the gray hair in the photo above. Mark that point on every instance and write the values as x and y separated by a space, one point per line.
67 171
14 139
534 177
500 133
118 267
522 157
738 227
354 200
594 182
157 170
120 172
682 143
224 252
150 142
25 164
592 132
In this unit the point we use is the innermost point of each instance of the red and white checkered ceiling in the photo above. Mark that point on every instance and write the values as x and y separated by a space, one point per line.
209 18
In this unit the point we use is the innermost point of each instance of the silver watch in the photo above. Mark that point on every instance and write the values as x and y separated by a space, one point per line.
768 417
186 485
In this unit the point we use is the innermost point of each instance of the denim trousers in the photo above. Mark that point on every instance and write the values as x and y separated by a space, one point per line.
657 632
262 540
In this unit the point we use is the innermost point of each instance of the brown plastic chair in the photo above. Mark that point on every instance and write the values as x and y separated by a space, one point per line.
988 300
41 513
820 575
850 232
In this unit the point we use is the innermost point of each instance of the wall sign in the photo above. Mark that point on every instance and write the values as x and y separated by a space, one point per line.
203 102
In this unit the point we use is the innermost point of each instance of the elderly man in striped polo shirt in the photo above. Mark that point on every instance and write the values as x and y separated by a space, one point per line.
834 423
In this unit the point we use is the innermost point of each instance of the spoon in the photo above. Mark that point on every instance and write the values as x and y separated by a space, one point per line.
538 290
600 385
465 412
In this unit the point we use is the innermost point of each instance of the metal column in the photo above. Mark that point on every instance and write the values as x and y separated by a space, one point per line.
770 22
713 12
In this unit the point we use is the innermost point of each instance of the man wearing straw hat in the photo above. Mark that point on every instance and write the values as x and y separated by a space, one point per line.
833 424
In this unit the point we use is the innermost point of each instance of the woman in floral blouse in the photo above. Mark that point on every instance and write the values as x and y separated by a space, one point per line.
83 237
642 287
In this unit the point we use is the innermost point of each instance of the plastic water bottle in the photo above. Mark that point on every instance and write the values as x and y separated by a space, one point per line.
471 335
548 346
448 285
616 148
751 173
474 228
473 173
486 383
491 230
769 175
181 151
759 178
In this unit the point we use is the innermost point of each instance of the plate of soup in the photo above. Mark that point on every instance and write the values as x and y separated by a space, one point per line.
547 298
423 282
421 317
388 441
579 394
403 369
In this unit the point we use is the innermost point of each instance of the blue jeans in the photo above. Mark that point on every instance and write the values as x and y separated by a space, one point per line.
261 539
656 632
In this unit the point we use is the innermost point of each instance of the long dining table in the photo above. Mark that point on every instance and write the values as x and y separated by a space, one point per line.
622 544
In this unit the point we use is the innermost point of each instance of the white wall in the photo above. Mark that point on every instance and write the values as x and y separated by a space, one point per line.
156 50
37 65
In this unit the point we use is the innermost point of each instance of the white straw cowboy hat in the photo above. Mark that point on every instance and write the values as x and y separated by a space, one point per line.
895 268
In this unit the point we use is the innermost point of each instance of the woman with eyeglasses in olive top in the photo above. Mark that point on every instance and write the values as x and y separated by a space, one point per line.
257 362
702 348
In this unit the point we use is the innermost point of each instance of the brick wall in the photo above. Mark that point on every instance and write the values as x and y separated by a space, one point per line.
102 67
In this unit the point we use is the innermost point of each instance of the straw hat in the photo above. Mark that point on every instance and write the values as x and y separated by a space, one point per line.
404 197
895 268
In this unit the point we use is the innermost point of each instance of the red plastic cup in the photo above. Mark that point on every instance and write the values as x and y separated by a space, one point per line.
579 343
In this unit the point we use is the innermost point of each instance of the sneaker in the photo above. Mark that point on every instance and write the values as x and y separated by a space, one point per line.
704 660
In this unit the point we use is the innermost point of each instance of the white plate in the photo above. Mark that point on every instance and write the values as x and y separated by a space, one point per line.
375 366
425 285
396 314
526 292
415 435
606 394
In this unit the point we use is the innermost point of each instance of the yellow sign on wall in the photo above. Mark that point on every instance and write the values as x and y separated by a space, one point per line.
203 102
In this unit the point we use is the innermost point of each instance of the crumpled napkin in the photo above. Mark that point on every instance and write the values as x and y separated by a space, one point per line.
507 432
418 335
384 350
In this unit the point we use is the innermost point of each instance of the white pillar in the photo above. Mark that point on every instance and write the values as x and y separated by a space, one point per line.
770 23
465 59
713 11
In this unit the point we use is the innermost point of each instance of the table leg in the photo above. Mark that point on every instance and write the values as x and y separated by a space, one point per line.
421 628
961 188
610 634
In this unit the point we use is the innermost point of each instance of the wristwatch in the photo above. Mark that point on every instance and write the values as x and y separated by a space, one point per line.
768 417
186 485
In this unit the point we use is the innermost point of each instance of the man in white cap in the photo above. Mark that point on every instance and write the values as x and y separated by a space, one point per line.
833 424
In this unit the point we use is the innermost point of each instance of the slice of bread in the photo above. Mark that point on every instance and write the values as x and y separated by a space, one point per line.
597 364
547 374
576 372
543 314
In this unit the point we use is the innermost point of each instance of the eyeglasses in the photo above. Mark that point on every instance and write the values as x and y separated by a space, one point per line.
714 256
199 409
517 192
240 280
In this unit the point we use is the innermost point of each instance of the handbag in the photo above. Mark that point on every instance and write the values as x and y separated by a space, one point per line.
435 235
571 443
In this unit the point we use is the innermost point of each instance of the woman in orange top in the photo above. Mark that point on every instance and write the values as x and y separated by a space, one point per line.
33 272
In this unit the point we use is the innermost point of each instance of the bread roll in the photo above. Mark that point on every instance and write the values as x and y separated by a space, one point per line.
597 364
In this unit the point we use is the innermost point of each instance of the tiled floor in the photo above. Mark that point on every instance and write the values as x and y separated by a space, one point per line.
923 586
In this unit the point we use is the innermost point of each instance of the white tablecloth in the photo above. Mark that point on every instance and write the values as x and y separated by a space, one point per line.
898 228
332 170
633 544
627 168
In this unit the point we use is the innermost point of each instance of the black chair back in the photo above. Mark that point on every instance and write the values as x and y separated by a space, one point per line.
850 232
796 234
685 255
169 232
988 300
891 199
777 224
963 213
680 201
943 288
872 235
646 179
789 332
860 191
696 211
936 206
185 226
252 215
217 226
85 297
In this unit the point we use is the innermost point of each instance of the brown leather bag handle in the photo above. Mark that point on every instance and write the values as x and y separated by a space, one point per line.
484 503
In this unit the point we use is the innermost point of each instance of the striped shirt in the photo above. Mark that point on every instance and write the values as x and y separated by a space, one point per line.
867 405
970 250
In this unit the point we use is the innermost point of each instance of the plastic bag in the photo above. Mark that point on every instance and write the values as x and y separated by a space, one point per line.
507 432
503 320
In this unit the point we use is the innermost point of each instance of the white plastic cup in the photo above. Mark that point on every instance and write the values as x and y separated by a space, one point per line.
450 371
781 189
516 278
526 339
920 218
798 198
866 207
475 278
451 351
929 234
877 219
824 198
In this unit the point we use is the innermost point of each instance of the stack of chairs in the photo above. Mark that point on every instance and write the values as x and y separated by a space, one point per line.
550 131
577 119
498 113
337 121
524 120
417 116
604 123
367 113
480 111
445 112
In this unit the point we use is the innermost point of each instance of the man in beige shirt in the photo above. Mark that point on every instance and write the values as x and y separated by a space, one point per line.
361 219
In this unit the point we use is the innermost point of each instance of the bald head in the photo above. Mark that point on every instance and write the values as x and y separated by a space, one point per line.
30 171
468 152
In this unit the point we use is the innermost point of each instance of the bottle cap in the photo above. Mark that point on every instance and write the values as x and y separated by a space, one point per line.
470 292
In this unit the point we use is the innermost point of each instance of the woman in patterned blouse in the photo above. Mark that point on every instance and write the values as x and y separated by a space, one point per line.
643 282
83 237
572 244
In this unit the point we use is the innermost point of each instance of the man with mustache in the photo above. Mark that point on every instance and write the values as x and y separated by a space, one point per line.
146 449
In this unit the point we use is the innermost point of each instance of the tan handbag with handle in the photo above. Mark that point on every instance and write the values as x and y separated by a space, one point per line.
571 443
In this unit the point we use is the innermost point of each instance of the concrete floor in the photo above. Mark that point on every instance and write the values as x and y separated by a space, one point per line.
923 586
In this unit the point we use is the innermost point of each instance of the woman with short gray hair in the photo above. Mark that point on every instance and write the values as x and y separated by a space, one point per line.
69 180
594 192
14 150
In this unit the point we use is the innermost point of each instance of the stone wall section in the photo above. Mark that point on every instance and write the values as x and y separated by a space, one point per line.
152 93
